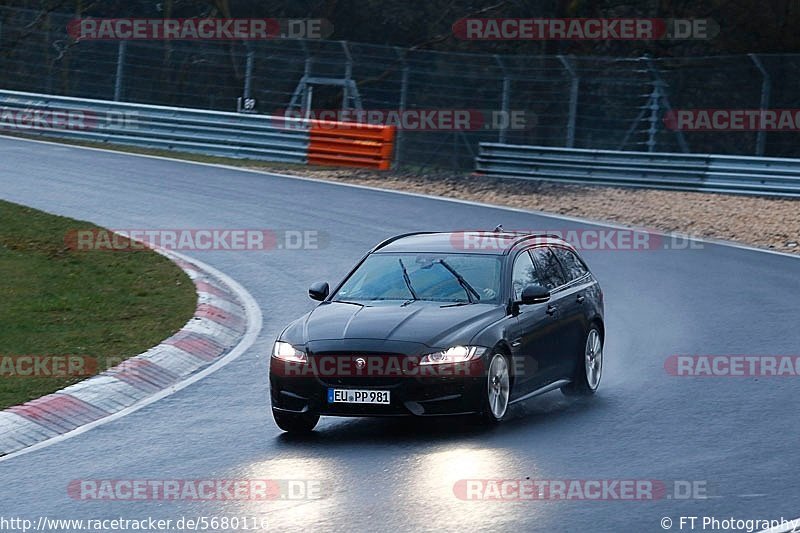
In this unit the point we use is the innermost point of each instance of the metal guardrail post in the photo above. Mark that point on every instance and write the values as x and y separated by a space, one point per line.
657 77
573 100
655 107
348 76
121 52
300 94
248 72
504 101
309 97
400 135
766 87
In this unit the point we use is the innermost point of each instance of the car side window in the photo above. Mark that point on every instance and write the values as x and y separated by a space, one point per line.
548 267
523 274
573 266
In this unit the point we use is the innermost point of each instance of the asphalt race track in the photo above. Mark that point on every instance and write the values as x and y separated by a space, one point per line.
738 436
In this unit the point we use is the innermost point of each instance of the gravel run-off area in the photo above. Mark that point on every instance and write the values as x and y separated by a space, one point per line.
772 223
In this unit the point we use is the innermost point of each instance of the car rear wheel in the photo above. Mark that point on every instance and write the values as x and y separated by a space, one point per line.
295 422
498 386
590 369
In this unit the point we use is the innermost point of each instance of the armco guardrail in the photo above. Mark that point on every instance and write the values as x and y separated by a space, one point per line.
168 128
251 136
352 145
762 176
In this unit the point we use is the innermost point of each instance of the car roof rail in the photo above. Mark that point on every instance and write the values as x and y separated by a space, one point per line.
390 240
521 237
527 236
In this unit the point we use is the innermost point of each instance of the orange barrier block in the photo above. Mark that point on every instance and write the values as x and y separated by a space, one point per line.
351 145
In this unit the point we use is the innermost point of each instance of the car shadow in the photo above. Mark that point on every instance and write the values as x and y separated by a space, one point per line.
541 412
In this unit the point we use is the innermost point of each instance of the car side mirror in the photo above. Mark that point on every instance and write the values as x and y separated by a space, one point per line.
534 294
319 291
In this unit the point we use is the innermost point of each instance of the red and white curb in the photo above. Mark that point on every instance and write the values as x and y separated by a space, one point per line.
225 324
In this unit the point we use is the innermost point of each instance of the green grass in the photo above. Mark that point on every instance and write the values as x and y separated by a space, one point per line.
58 301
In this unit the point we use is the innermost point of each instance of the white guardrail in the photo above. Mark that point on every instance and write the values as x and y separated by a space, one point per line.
763 176
212 133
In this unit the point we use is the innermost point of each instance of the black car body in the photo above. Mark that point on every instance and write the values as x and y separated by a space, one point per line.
435 323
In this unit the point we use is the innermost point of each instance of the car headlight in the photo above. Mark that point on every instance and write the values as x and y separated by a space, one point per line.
287 352
456 354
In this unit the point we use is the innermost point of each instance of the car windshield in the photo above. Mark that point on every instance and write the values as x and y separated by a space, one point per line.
456 278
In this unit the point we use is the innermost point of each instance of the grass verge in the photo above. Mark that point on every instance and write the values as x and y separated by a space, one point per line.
55 301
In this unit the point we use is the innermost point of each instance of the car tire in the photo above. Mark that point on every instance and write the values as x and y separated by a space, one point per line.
590 368
496 389
295 422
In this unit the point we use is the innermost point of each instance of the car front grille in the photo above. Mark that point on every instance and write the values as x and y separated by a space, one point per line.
381 370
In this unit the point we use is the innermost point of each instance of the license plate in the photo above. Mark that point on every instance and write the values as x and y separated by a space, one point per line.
358 396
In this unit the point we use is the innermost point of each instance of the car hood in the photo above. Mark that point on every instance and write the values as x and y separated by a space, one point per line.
433 324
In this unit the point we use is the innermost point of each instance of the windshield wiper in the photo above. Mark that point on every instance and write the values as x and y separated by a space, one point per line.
348 302
407 279
467 287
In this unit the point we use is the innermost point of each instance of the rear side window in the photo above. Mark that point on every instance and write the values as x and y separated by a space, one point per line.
524 274
548 268
573 266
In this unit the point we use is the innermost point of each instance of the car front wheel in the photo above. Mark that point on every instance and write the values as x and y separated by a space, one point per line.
498 386
295 422
590 369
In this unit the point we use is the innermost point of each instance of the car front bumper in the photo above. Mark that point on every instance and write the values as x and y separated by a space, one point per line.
409 396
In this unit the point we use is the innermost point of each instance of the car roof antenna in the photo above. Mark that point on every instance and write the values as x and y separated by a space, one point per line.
499 228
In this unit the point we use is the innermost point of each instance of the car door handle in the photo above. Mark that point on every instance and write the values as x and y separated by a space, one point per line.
581 298
551 309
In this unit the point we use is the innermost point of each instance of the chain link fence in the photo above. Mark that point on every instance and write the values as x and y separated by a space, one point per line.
582 102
